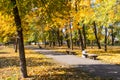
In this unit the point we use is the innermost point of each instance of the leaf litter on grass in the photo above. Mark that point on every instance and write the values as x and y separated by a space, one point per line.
39 68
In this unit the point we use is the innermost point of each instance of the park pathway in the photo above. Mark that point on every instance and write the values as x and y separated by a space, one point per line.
94 67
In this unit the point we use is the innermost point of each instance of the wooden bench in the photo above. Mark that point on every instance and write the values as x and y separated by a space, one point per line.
85 55
93 56
70 52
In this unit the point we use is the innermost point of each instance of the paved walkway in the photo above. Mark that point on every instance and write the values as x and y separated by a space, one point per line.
94 67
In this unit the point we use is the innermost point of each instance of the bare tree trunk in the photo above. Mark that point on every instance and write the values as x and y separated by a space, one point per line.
81 40
20 39
105 38
67 40
54 44
35 43
75 43
95 32
68 43
16 44
71 40
58 37
84 35
44 38
61 40
45 42
50 43
113 37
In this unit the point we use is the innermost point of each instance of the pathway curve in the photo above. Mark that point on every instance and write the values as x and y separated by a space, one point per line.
94 67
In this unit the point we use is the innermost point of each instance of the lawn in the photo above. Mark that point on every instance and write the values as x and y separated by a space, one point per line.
38 66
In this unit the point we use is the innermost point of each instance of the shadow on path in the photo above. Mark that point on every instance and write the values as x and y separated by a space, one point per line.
111 72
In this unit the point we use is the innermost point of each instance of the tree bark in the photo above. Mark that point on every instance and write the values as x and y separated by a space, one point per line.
20 39
50 43
16 44
84 35
81 40
44 37
61 37
95 32
75 42
71 40
67 40
112 34
53 38
61 40
68 43
58 37
45 43
54 44
105 38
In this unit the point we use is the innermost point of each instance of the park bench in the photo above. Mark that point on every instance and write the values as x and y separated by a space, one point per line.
70 52
93 56
87 55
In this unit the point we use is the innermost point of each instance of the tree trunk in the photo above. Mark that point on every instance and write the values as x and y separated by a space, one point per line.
84 35
50 43
95 32
75 42
54 44
81 40
45 43
20 39
78 43
53 32
35 42
61 38
71 40
105 38
43 36
58 37
61 41
16 45
68 43
67 40
113 37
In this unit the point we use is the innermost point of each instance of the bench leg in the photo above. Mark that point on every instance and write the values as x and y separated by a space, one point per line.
94 58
